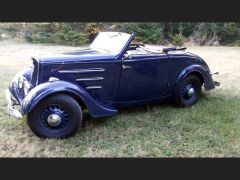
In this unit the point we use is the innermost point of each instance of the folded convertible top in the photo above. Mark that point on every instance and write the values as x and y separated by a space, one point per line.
161 50
173 49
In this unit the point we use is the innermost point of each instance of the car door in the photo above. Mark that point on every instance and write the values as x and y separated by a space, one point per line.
143 77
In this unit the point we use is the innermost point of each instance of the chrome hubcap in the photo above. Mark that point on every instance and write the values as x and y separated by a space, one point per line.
190 92
54 120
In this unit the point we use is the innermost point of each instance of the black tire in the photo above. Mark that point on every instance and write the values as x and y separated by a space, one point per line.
66 117
182 91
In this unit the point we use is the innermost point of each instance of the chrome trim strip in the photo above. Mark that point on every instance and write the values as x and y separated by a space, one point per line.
82 70
94 87
90 79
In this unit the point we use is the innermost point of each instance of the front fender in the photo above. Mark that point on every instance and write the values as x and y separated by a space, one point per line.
203 72
38 93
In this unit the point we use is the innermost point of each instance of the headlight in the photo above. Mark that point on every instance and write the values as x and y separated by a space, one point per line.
26 87
20 81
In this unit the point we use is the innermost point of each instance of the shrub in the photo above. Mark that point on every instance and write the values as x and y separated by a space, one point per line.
146 32
188 28
236 43
229 32
42 37
70 38
225 32
75 33
178 39
67 38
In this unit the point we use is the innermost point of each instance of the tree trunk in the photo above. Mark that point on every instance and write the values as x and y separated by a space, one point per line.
167 30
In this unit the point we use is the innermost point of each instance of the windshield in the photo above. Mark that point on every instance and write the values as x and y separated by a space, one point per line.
112 42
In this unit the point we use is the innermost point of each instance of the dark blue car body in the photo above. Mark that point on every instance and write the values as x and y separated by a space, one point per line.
104 82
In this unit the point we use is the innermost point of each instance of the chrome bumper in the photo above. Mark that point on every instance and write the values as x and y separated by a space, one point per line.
10 107
214 73
216 83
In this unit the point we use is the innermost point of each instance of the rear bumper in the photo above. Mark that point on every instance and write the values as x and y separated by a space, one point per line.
10 106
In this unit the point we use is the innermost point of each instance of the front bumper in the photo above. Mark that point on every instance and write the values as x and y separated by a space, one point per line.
216 83
209 82
10 106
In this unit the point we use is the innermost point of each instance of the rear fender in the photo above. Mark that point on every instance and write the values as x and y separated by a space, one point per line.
38 93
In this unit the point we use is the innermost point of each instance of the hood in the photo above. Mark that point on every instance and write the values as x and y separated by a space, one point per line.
79 55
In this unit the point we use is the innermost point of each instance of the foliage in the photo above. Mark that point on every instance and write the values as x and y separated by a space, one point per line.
237 43
223 32
75 33
146 32
187 27
70 38
59 33
178 39
229 32
41 37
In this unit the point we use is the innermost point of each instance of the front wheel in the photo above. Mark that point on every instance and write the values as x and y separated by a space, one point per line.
188 91
57 116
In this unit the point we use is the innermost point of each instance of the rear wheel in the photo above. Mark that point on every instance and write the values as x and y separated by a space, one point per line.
55 117
187 92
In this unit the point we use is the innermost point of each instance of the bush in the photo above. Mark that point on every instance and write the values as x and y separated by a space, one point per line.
66 38
70 38
146 32
236 43
80 33
229 32
187 27
225 32
178 39
42 37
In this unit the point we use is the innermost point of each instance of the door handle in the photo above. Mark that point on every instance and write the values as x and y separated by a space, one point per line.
125 67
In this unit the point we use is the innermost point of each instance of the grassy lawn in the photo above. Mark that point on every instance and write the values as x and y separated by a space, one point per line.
211 128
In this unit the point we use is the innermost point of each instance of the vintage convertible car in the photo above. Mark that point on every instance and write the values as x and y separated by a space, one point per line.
109 74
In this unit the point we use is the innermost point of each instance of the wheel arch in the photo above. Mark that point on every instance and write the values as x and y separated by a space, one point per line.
69 93
42 91
202 73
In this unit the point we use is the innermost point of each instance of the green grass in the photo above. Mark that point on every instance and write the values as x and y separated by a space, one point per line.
210 128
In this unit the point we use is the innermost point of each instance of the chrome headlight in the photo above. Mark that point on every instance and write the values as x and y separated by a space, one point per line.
20 81
26 87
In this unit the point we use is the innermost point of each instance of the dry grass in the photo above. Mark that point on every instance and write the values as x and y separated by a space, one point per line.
211 128
226 60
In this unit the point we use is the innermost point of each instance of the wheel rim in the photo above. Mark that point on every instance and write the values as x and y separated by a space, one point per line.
54 118
189 91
